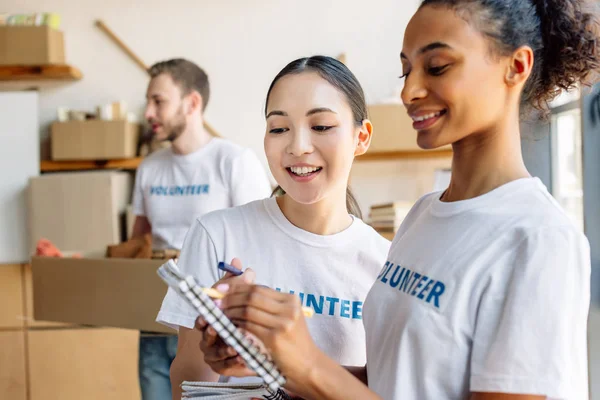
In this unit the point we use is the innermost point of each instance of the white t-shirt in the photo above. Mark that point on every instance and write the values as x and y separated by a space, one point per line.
172 190
489 294
332 274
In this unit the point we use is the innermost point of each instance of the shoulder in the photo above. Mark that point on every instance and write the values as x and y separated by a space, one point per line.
226 149
155 159
371 239
230 219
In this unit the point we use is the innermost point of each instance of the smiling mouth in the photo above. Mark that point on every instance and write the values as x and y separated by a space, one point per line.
304 171
423 118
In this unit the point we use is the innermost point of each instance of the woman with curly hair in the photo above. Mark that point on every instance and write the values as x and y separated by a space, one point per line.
486 290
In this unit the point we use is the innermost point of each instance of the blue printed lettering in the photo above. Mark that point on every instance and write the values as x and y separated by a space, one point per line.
357 309
385 268
423 278
332 302
416 277
384 279
311 301
394 282
405 281
425 289
189 190
345 309
436 292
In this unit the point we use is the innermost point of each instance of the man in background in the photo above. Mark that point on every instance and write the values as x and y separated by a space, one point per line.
195 175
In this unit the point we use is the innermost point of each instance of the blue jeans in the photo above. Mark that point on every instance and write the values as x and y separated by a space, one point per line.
156 355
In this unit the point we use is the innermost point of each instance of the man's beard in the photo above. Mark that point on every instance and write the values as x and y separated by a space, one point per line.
176 127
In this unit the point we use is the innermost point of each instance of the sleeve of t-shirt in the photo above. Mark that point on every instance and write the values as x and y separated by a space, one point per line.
530 333
249 180
138 195
198 258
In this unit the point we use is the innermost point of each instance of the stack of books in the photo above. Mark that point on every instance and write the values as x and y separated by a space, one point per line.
386 218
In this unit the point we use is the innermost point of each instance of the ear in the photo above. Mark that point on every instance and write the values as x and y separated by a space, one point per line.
195 102
365 134
519 67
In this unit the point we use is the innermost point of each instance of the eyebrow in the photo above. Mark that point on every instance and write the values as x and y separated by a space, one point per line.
430 47
310 112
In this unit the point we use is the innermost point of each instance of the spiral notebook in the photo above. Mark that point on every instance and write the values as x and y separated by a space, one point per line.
189 289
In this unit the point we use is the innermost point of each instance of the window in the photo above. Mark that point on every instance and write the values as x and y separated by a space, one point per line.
567 172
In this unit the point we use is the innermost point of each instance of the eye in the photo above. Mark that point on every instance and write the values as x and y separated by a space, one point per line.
403 76
436 71
321 128
277 131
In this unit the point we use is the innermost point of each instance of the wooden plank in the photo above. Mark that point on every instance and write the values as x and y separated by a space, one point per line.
404 155
13 379
54 166
42 72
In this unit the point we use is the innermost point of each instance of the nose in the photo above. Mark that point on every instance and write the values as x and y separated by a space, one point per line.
300 142
149 112
414 88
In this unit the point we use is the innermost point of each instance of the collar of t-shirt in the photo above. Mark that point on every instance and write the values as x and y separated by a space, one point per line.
497 196
279 219
195 155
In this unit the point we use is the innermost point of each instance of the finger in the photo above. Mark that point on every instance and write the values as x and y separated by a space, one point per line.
254 315
200 324
234 366
208 339
249 276
250 291
261 332
218 353
236 262
258 297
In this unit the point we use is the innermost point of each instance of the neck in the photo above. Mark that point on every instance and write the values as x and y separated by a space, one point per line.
483 162
192 138
325 217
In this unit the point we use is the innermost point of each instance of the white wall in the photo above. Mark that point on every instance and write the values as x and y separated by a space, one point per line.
242 45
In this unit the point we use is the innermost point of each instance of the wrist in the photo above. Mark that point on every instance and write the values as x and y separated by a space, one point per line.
316 373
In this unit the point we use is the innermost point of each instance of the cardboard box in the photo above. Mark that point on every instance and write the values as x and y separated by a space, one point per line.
12 313
114 292
13 381
94 140
392 129
75 364
81 211
31 45
30 321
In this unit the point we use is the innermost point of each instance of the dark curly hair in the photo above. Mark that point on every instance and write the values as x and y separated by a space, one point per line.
563 35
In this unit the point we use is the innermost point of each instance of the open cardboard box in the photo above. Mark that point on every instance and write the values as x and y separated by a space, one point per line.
98 291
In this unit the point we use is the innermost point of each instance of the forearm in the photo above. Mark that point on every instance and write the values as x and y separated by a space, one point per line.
330 381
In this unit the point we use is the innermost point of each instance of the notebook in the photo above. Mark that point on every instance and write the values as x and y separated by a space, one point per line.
191 291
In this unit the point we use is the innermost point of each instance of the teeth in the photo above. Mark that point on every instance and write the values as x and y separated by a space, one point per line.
427 116
303 170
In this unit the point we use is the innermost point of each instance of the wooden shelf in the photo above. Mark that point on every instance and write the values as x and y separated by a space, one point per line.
19 77
404 155
55 166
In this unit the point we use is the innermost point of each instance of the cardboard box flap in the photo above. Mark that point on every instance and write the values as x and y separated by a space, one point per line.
122 293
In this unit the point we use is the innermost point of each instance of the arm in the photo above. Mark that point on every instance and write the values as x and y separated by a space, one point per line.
141 226
504 396
189 364
277 320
